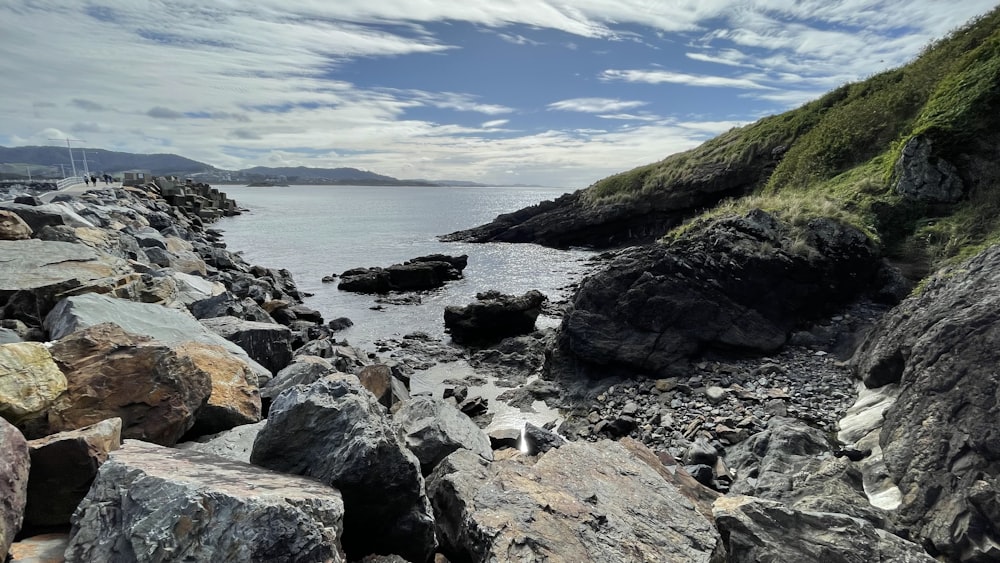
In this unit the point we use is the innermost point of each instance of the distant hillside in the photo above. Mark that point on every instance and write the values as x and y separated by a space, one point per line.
868 153
297 173
102 160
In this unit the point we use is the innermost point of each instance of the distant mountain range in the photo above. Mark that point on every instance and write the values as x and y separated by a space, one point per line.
45 161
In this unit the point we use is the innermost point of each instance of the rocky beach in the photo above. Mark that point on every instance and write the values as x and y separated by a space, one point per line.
784 353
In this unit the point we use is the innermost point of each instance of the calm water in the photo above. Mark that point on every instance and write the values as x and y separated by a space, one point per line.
314 231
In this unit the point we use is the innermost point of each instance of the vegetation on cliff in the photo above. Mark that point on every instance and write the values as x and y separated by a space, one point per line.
839 156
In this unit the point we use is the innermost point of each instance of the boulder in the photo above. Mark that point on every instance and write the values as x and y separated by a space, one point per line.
151 503
14 465
12 227
579 502
732 284
110 373
235 443
336 432
30 380
765 530
305 370
539 440
270 344
43 548
493 316
425 272
939 439
227 304
36 272
433 428
63 466
234 400
164 324
35 217
922 175
378 380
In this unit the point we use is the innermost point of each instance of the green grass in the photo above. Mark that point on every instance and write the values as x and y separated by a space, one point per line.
842 149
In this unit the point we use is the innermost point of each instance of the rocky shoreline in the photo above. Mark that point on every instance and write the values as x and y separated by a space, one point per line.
164 400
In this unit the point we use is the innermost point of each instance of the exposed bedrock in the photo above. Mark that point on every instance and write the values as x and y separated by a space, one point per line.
734 284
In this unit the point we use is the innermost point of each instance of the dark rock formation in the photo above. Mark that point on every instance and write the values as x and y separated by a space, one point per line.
270 344
425 272
579 502
493 317
538 440
433 429
151 503
940 439
922 175
63 466
734 284
335 431
14 465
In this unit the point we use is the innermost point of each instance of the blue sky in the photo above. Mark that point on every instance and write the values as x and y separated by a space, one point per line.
519 91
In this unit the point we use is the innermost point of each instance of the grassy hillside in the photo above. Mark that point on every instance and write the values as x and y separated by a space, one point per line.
839 152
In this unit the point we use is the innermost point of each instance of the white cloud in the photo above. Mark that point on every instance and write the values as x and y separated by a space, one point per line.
595 105
664 76
495 123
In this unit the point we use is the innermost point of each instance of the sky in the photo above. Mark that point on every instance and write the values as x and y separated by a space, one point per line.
556 93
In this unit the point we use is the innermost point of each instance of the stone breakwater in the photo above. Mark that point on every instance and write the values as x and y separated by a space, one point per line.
161 399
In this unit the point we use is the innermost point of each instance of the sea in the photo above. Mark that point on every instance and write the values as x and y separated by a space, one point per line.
316 231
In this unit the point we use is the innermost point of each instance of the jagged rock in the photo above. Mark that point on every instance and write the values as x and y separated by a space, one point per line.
345 358
425 272
63 466
235 443
110 373
579 502
737 283
539 440
14 466
270 344
44 548
378 380
335 431
228 305
35 272
939 439
166 325
924 176
793 462
433 428
340 323
36 218
305 370
151 503
493 317
765 530
30 380
12 227
234 400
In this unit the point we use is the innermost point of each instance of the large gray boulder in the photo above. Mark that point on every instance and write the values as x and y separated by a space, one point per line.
433 428
165 324
14 465
335 431
305 370
764 530
940 440
579 502
736 283
35 272
151 503
270 344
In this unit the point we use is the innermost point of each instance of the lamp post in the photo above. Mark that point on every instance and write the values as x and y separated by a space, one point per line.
71 161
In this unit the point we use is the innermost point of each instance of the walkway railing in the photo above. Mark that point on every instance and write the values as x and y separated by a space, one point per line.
67 182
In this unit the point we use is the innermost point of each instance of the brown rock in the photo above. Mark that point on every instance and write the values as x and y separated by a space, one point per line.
12 227
111 373
46 548
14 464
235 399
63 466
29 380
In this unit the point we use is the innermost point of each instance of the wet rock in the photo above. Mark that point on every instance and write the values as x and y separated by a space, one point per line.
340 323
425 272
335 431
433 428
579 502
63 466
764 530
14 465
474 406
493 316
151 503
